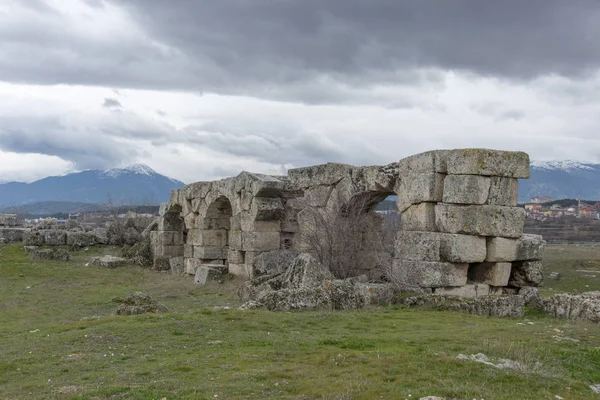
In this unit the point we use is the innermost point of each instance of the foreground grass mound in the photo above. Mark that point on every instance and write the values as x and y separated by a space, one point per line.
60 337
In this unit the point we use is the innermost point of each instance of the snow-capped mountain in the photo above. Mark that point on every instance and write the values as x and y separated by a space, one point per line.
561 180
135 184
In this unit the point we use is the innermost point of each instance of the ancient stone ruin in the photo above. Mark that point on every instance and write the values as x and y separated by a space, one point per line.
462 232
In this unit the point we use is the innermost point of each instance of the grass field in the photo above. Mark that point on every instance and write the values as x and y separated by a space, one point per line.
59 338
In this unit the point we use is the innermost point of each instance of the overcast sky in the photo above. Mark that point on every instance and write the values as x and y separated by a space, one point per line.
203 89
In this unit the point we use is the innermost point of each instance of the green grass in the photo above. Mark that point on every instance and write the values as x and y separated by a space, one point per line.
578 268
59 338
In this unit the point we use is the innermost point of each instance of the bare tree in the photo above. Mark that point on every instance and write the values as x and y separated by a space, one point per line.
350 239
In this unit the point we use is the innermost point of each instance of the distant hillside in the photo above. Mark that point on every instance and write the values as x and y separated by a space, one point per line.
136 184
561 180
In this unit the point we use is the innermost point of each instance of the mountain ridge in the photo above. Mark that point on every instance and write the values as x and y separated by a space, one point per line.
134 184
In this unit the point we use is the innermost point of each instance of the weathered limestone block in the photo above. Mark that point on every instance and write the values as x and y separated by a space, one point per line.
42 254
430 161
471 290
318 196
171 222
305 272
196 190
249 224
177 265
242 270
272 262
33 238
480 220
435 246
171 251
261 241
12 235
417 246
199 206
211 237
188 250
80 239
235 240
266 208
210 252
266 185
488 162
466 189
419 187
430 274
420 217
503 191
236 257
527 247
326 174
457 248
526 273
376 178
190 265
494 274
107 262
208 272
169 238
55 238
584 306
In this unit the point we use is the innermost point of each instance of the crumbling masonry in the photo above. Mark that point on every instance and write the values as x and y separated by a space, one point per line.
462 231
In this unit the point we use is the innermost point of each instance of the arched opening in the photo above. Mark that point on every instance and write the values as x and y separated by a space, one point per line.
346 236
216 227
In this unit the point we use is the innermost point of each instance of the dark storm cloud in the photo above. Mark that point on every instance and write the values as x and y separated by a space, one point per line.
98 144
263 47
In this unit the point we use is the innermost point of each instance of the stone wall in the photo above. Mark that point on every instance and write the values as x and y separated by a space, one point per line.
462 230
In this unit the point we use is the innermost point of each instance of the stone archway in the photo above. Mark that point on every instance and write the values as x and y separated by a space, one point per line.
212 241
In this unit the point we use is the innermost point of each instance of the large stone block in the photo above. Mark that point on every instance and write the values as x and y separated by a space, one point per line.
527 247
326 174
417 246
171 251
429 274
526 273
261 241
171 222
190 265
235 240
503 191
236 257
266 208
188 250
212 237
488 162
169 238
241 270
420 217
431 161
207 272
472 290
466 189
457 248
480 220
80 239
210 252
55 238
318 196
494 274
177 265
419 187
435 246
249 224
31 238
